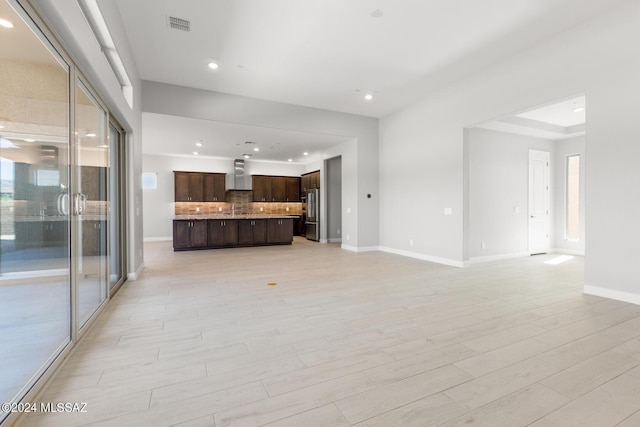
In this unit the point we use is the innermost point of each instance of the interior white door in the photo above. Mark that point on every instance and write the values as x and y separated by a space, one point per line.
539 198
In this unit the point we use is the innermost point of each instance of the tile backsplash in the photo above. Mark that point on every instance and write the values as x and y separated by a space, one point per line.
238 202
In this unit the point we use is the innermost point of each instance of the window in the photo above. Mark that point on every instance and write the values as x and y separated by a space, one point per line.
149 181
573 198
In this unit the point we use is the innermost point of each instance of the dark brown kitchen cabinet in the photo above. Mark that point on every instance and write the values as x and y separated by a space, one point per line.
279 230
278 188
309 181
268 188
189 186
190 234
261 185
223 232
313 180
199 187
252 232
292 189
214 187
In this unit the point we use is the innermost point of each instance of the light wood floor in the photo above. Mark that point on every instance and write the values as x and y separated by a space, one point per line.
362 339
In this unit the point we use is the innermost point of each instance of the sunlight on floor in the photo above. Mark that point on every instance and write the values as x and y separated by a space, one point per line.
559 259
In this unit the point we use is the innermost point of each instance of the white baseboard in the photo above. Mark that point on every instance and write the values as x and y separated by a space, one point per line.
157 239
437 260
360 248
134 275
612 294
488 258
568 251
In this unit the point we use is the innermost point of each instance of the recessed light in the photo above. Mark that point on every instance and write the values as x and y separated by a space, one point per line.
91 135
368 97
199 144
195 153
29 140
6 24
290 160
103 146
213 65
256 149
305 153
376 13
1 126
578 109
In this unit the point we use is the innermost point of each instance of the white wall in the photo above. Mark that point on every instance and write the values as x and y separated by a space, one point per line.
498 183
359 156
564 148
66 20
422 148
159 203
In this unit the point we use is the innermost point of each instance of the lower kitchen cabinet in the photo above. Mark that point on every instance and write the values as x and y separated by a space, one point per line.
190 234
252 232
223 232
226 233
279 230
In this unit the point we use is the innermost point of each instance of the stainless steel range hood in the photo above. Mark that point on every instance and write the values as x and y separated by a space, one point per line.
239 178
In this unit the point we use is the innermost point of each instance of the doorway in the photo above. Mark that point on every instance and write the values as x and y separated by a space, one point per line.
499 200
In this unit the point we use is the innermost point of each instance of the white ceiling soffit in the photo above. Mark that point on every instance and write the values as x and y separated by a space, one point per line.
328 54
177 136
560 120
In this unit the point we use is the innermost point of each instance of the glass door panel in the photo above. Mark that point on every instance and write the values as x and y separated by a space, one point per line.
35 280
90 204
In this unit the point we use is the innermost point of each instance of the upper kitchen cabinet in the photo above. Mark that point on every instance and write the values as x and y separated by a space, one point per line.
214 187
292 189
278 188
309 181
199 187
189 187
261 185
268 188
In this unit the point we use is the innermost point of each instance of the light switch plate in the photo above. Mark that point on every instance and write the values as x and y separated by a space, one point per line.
448 211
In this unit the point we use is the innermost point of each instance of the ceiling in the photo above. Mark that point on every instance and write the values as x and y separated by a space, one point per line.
328 54
172 135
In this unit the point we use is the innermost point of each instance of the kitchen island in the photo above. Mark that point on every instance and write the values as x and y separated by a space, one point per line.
229 231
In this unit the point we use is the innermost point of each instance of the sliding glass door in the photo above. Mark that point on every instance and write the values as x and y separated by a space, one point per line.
90 203
35 274
62 185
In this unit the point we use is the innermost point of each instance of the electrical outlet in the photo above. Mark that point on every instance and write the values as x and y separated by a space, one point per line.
347 237
197 209
483 246
219 209
261 209
411 242
287 208
338 231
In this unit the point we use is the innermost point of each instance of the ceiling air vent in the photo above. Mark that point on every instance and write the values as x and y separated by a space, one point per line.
179 24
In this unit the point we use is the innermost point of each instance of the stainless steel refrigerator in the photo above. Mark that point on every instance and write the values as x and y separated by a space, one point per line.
313 215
